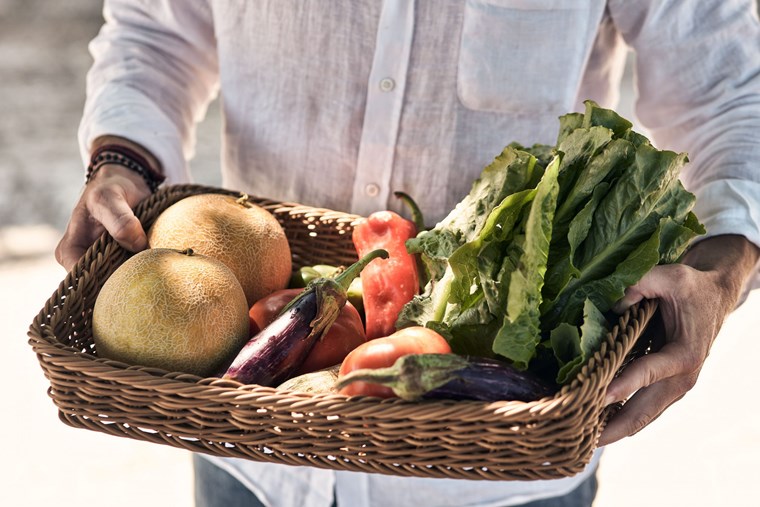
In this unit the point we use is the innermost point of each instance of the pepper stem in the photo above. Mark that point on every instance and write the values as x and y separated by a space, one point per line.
414 209
345 278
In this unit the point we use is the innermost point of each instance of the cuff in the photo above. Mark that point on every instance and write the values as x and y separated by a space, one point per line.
731 207
125 112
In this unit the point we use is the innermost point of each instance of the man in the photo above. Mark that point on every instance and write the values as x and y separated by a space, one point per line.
337 104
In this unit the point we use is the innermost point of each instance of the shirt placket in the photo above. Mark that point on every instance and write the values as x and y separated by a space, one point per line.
385 98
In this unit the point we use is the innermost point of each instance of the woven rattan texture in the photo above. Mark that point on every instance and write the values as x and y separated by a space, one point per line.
550 438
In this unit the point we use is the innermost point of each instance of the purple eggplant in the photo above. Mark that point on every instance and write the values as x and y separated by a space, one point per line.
451 376
276 352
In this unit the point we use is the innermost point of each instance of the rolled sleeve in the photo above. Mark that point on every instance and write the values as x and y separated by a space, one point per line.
729 206
124 112
698 82
154 74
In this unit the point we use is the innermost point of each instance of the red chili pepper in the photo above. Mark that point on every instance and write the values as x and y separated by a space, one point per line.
387 284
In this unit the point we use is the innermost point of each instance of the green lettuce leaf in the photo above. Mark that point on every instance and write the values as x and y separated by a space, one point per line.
520 333
511 171
477 262
627 215
573 348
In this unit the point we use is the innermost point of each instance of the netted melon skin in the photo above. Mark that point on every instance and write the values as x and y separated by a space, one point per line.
245 237
171 310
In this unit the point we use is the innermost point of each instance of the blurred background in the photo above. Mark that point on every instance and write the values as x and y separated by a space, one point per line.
704 451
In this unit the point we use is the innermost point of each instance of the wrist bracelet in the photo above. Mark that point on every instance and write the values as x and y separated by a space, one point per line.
125 157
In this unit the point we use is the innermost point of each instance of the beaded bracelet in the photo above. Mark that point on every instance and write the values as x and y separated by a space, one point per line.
125 157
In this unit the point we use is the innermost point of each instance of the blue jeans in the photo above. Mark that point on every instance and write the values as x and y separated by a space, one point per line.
216 488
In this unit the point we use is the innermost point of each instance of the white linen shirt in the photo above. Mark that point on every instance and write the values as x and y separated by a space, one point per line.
339 103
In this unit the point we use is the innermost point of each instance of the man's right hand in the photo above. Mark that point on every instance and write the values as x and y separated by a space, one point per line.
105 205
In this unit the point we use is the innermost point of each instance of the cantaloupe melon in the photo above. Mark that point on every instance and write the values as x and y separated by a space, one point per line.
244 236
178 311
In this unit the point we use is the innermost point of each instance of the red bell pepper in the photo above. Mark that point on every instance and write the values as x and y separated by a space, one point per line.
387 284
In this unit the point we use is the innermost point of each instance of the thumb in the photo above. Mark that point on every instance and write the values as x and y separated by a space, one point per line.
654 284
112 210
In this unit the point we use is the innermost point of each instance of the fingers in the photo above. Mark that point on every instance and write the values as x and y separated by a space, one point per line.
105 205
670 361
632 296
643 408
109 206
657 380
660 281
80 233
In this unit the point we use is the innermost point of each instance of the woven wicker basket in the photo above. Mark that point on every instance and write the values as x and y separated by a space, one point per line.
550 438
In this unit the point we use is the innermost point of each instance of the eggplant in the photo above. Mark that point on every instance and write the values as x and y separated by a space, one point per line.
450 376
276 352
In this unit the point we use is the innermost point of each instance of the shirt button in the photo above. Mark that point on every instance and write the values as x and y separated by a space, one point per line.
387 84
372 190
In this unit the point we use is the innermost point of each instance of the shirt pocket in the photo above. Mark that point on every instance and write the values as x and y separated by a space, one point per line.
519 56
